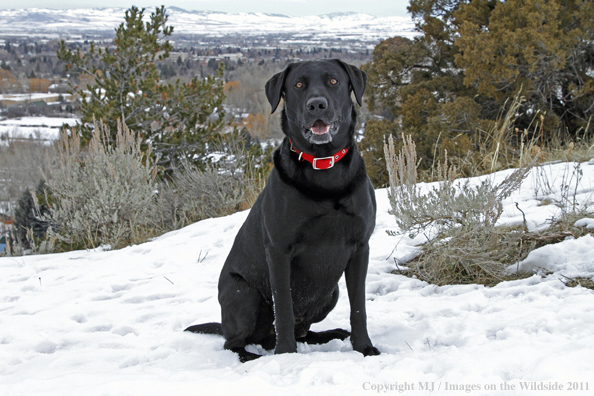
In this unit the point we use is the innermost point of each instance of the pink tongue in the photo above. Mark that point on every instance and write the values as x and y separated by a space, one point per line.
319 128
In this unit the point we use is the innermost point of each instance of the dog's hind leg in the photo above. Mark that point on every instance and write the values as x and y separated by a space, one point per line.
241 306
324 336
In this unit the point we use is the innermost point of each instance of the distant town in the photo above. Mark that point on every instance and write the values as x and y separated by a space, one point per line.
29 65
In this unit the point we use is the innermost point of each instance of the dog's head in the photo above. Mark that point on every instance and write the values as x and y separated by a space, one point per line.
317 96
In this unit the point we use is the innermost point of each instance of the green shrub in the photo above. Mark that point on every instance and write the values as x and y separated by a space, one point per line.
195 194
230 184
28 223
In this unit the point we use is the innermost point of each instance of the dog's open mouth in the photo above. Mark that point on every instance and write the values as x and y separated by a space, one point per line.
320 132
320 128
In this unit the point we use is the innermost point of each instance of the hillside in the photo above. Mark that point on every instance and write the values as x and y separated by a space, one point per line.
110 322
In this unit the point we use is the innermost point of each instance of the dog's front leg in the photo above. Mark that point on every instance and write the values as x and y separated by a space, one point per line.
284 319
355 275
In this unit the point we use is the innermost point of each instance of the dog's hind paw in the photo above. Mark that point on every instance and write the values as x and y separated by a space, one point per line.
323 337
245 356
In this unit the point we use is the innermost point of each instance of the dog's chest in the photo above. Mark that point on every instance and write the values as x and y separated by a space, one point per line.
331 223
324 242
321 250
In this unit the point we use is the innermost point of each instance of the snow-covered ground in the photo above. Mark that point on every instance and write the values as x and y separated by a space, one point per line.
33 96
46 128
110 322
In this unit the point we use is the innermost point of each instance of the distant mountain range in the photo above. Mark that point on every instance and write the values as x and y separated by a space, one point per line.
345 26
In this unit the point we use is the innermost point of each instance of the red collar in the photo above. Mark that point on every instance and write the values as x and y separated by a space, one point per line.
320 163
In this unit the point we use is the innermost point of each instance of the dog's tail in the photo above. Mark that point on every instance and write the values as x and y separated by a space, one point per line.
206 328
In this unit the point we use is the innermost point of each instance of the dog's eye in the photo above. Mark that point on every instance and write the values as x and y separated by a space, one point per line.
333 81
299 85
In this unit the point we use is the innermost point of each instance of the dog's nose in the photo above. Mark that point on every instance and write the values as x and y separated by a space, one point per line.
317 105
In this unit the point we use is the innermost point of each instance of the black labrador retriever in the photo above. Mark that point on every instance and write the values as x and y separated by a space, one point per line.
310 225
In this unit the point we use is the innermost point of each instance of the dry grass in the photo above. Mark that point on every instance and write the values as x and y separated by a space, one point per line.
482 255
478 255
587 283
502 146
468 247
231 184
106 193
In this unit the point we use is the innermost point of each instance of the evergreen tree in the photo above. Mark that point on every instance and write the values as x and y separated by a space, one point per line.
411 83
372 150
28 216
472 56
543 47
178 119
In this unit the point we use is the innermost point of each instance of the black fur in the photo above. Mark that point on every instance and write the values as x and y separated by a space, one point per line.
307 227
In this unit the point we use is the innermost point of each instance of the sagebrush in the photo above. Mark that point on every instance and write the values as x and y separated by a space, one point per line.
103 192
446 205
465 247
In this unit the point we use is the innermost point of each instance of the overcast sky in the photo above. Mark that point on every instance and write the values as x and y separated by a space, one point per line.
287 7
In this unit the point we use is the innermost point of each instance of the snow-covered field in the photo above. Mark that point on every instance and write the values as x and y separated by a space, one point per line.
110 322
347 26
46 128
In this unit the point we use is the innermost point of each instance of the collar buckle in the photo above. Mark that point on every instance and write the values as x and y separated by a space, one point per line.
315 160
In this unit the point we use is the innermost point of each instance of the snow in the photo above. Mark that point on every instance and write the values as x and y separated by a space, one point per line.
102 322
588 223
555 257
45 128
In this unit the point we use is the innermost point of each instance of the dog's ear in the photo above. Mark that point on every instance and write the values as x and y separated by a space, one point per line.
358 80
274 88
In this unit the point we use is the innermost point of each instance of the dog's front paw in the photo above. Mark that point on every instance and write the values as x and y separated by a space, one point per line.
371 351
366 348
